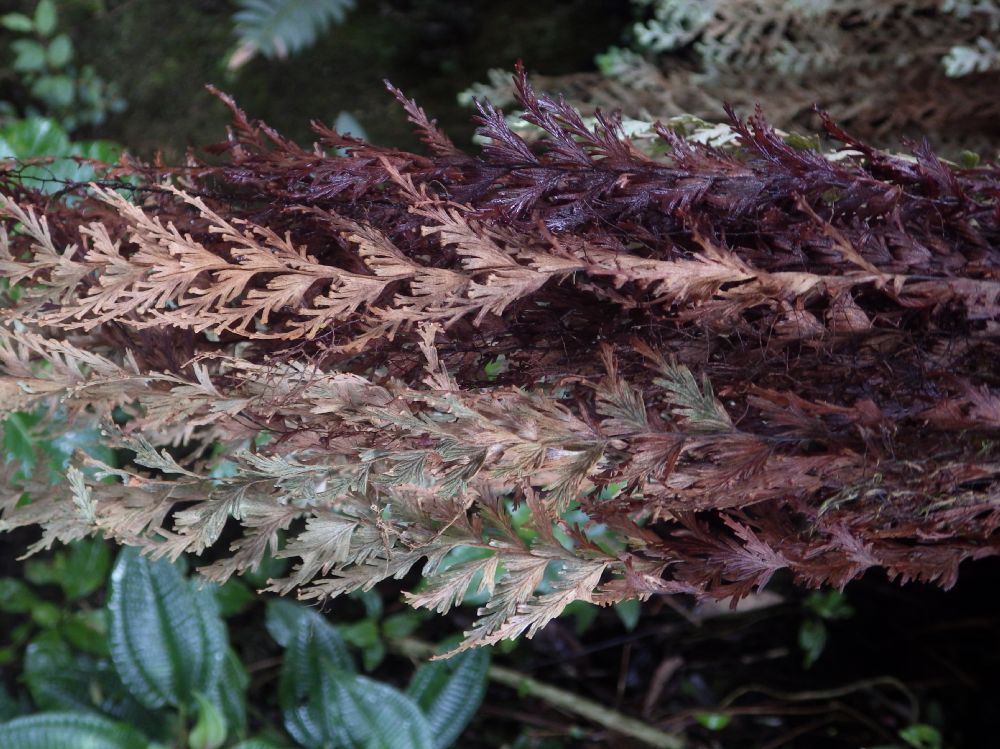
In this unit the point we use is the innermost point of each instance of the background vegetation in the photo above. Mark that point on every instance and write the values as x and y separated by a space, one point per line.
874 665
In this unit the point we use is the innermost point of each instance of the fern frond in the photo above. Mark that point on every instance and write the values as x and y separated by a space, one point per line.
279 28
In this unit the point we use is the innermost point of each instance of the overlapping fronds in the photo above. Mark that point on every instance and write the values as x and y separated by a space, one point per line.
729 361
886 70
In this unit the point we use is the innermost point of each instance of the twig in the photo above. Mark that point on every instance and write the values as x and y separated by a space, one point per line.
562 699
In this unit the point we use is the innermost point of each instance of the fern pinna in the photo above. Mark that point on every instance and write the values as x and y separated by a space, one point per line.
694 370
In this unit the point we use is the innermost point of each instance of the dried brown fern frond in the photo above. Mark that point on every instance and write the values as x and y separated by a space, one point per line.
731 362
887 70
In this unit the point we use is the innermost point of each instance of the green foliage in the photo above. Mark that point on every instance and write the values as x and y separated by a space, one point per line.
40 137
713 721
68 731
922 736
44 62
821 606
278 28
325 703
156 668
167 637
450 692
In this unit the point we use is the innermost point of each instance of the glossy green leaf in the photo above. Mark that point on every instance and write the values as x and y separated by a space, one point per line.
315 652
450 691
378 716
257 744
39 136
348 711
167 638
60 51
46 17
58 679
69 731
284 619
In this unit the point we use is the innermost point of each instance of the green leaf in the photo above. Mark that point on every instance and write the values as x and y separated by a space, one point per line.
285 619
969 159
629 612
256 744
812 640
583 614
11 707
60 51
79 571
269 568
46 17
29 55
167 638
209 731
355 712
713 721
403 624
365 636
450 692
87 630
922 736
17 22
234 597
55 90
829 604
46 614
38 136
230 694
19 440
69 731
315 651
58 679
15 596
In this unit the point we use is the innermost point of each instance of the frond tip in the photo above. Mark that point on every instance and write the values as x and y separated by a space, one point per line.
279 28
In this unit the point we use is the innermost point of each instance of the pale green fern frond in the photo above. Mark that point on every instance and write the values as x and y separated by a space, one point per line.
278 28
